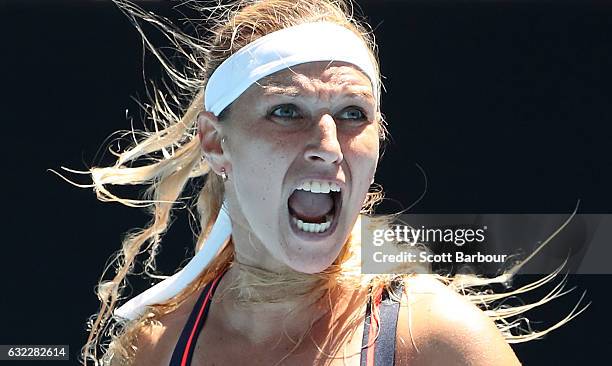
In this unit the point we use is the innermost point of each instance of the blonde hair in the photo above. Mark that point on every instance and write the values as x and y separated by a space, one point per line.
168 156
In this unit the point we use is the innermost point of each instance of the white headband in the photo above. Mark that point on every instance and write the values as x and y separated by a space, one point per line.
309 42
321 41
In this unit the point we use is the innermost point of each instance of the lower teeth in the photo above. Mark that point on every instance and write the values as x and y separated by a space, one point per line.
313 227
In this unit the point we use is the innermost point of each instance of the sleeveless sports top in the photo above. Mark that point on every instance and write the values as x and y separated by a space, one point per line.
380 353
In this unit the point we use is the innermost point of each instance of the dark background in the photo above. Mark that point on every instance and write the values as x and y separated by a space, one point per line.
504 104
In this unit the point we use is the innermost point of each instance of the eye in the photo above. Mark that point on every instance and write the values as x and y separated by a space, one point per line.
285 111
353 114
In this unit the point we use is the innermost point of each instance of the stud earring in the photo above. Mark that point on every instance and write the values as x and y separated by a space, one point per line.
224 175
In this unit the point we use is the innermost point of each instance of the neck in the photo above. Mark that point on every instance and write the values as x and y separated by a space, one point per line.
262 302
255 302
262 307
257 285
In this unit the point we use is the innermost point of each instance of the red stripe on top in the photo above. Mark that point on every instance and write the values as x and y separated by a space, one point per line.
195 325
374 325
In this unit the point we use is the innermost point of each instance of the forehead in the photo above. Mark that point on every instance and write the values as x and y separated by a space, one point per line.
315 77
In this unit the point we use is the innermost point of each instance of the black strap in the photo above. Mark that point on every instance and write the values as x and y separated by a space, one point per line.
384 351
179 349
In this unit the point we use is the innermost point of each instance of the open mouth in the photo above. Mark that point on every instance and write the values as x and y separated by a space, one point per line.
314 208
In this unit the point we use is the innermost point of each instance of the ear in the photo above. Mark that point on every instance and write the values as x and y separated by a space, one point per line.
209 131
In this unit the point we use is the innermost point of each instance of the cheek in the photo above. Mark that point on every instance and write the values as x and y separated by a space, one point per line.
250 164
259 163
363 152
261 156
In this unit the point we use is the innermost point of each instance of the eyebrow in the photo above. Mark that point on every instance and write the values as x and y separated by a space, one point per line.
275 88
361 94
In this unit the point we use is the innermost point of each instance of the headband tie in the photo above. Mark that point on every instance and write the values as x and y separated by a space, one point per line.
309 42
171 286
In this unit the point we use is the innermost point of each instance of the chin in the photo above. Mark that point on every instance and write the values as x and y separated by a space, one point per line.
310 258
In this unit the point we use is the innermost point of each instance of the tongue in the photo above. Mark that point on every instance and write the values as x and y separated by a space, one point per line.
309 206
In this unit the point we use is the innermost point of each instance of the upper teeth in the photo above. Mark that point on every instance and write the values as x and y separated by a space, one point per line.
319 186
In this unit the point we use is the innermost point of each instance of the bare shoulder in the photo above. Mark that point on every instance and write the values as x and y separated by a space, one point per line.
149 344
155 342
438 326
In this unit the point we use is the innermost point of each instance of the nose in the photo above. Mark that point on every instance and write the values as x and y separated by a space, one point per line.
324 146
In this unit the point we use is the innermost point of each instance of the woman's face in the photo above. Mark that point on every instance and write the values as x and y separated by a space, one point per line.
311 125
